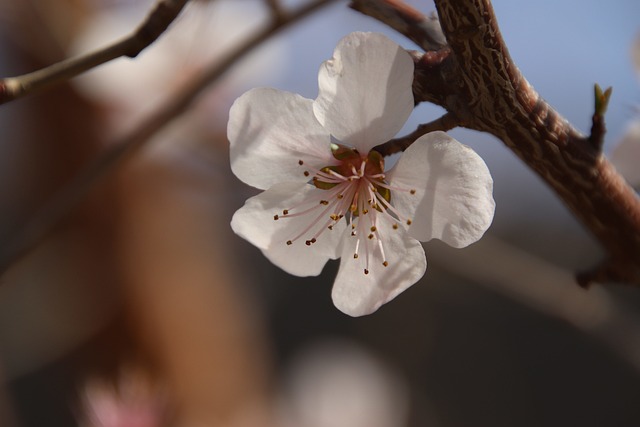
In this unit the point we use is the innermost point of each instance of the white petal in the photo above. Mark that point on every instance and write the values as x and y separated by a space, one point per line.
365 94
626 155
255 223
269 132
355 293
453 200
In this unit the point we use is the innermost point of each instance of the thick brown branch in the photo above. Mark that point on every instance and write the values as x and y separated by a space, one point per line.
477 81
157 21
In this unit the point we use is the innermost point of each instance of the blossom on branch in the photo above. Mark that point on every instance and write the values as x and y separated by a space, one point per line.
328 194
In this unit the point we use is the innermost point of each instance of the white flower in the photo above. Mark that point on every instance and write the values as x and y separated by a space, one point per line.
328 194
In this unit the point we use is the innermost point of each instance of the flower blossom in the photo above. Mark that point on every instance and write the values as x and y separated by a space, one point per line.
328 194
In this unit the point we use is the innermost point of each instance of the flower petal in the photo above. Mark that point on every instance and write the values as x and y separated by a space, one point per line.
453 198
270 131
626 155
365 94
357 294
255 223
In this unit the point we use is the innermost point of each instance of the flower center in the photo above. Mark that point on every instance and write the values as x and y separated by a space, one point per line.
354 190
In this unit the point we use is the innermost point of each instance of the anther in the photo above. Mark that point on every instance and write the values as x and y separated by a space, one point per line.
373 228
324 202
355 256
386 264
306 173
370 236
285 212
340 196
289 242
275 217
300 162
409 222
412 191
366 271
395 226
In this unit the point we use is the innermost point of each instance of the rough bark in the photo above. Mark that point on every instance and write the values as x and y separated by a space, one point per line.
474 78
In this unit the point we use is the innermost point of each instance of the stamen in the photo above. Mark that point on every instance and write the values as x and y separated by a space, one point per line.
381 247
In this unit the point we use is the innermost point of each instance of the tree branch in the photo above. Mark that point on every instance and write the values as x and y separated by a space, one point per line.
475 79
156 22
425 31
445 123
45 220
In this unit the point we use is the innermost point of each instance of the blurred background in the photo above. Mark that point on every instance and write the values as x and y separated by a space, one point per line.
143 309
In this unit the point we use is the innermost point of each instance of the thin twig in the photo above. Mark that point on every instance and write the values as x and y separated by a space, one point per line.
277 12
598 128
423 30
155 23
46 219
445 123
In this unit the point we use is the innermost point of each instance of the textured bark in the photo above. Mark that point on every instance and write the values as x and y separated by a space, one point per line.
476 81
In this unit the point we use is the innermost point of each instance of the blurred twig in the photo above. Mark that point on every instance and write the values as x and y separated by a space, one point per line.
46 219
156 22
